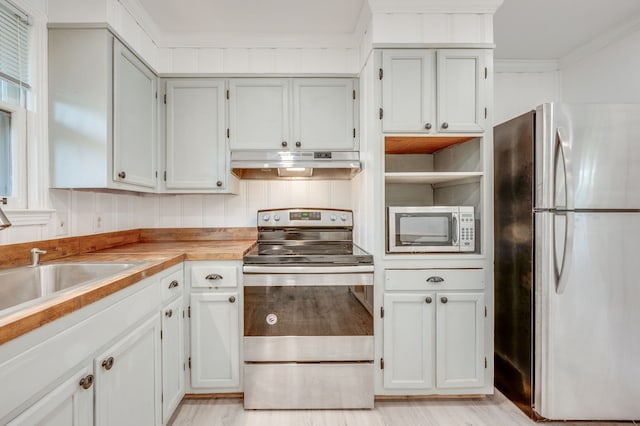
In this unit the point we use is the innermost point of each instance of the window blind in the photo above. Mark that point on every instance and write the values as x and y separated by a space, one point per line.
14 44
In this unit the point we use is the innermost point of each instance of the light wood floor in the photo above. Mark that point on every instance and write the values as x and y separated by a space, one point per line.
495 410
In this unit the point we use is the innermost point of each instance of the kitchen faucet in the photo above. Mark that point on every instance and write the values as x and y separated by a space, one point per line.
35 256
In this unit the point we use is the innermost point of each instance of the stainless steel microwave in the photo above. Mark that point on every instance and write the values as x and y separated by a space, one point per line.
431 229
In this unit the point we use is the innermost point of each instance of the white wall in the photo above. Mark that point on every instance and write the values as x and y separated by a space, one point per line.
609 74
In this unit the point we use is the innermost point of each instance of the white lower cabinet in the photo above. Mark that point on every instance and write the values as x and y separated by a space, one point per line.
215 340
173 366
128 381
433 341
69 404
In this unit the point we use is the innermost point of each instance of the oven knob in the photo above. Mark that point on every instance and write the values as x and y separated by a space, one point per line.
276 218
343 218
265 218
333 218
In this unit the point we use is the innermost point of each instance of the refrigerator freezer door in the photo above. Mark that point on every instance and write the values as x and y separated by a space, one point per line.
587 156
586 337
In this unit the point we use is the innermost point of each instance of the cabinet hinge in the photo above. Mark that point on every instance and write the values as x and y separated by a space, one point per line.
156 95
227 94
165 98
164 175
380 74
189 363
160 334
183 313
156 174
381 311
184 367
228 133
354 132
161 397
485 311
485 112
381 113
381 363
485 362
189 312
486 73
354 94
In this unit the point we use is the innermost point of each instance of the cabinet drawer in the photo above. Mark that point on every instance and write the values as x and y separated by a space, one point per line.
213 276
172 286
433 279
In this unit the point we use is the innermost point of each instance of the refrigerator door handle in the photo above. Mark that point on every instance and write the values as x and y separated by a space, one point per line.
567 255
565 150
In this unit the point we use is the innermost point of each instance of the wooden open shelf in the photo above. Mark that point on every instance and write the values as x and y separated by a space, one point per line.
429 178
421 144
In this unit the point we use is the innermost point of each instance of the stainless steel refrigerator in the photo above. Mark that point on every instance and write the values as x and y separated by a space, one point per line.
567 261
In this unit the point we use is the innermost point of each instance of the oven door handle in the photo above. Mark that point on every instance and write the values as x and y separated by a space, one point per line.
251 269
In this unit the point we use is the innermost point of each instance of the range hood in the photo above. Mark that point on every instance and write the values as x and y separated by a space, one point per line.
318 165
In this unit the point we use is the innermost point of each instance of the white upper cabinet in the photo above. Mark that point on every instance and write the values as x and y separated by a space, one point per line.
408 91
323 111
134 120
433 91
102 113
292 114
258 113
196 155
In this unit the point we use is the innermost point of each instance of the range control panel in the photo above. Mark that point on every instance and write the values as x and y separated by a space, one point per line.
311 218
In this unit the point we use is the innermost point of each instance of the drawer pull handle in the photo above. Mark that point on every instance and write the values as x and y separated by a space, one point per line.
86 381
428 300
169 313
174 284
444 299
435 279
213 277
107 363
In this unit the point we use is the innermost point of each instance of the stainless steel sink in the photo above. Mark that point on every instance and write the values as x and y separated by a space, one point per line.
20 285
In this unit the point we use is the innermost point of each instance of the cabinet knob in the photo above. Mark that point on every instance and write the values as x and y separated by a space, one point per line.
86 381
444 299
428 300
174 284
284 143
219 183
107 363
298 144
122 174
213 277
169 313
232 299
427 126
445 125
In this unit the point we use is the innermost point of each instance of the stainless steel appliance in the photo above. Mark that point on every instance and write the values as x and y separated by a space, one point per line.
308 324
567 222
431 229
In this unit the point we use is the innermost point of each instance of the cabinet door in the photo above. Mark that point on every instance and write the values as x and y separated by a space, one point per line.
134 120
408 91
461 75
69 404
172 358
323 114
215 340
409 341
259 114
460 340
128 379
196 154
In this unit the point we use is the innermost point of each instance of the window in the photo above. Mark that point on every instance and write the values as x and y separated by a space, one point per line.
15 32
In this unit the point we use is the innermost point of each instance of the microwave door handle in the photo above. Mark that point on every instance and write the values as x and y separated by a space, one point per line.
454 231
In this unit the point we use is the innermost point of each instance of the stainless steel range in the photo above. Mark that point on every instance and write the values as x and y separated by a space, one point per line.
308 303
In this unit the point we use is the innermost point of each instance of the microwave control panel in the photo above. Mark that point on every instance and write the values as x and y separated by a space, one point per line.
467 229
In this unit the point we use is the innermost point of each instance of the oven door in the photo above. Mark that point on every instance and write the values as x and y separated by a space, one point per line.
416 229
308 317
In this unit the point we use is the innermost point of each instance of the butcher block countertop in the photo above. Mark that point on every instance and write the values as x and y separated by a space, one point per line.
150 248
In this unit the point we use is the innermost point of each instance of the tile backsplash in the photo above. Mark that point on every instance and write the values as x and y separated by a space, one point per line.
82 212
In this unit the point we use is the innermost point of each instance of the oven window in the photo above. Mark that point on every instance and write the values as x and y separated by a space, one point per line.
307 311
423 229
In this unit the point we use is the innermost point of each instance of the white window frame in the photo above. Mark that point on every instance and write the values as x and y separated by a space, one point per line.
18 197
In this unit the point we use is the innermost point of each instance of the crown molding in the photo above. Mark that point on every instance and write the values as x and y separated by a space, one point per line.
434 6
257 40
617 33
525 65
142 18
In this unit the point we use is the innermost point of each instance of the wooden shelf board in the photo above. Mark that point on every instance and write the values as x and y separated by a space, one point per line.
421 144
429 177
